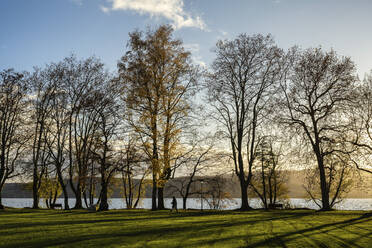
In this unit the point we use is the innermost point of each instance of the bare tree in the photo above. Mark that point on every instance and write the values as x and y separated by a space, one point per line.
316 95
134 171
361 115
82 78
41 95
13 94
56 135
104 148
245 74
268 181
216 192
339 174
193 162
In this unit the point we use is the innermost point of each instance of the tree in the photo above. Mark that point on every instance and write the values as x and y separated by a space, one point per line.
339 174
42 91
13 100
362 128
196 158
50 189
244 75
132 165
215 192
104 148
82 78
316 96
158 79
56 134
268 181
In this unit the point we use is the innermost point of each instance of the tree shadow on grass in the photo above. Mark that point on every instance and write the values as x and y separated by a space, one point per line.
291 235
125 218
75 222
283 240
198 227
118 237
175 229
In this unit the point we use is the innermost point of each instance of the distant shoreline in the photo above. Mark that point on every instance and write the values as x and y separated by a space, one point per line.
61 197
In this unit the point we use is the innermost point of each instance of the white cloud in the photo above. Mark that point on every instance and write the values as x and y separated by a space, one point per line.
170 9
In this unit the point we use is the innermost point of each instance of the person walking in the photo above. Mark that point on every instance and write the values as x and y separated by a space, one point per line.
174 204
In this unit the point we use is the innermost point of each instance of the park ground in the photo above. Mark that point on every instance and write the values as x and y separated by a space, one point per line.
143 228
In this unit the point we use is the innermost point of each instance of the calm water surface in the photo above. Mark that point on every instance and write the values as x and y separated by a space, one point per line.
117 203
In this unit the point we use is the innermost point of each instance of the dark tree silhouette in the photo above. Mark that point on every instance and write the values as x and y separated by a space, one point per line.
317 94
245 73
13 95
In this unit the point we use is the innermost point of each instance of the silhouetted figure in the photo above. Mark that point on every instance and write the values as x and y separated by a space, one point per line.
174 204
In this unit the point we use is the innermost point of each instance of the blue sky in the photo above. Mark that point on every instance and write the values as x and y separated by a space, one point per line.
36 32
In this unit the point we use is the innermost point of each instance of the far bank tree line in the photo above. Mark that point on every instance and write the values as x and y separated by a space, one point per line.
74 123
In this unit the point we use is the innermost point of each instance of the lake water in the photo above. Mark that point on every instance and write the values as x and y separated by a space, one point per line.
117 203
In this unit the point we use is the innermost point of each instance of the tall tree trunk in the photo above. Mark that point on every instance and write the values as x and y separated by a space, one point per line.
91 186
103 206
139 192
65 195
85 199
275 188
1 203
35 189
161 198
153 197
264 194
243 182
165 173
155 157
320 160
64 189
271 195
2 175
244 195
184 202
323 185
55 196
70 167
186 195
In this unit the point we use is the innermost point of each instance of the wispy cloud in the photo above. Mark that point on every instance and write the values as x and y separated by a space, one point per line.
172 10
194 48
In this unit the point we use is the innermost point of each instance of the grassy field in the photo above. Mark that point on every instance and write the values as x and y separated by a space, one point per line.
142 228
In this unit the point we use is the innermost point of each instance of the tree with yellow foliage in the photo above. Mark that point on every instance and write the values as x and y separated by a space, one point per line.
158 80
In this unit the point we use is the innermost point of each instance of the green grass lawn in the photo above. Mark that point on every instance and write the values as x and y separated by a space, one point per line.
142 228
